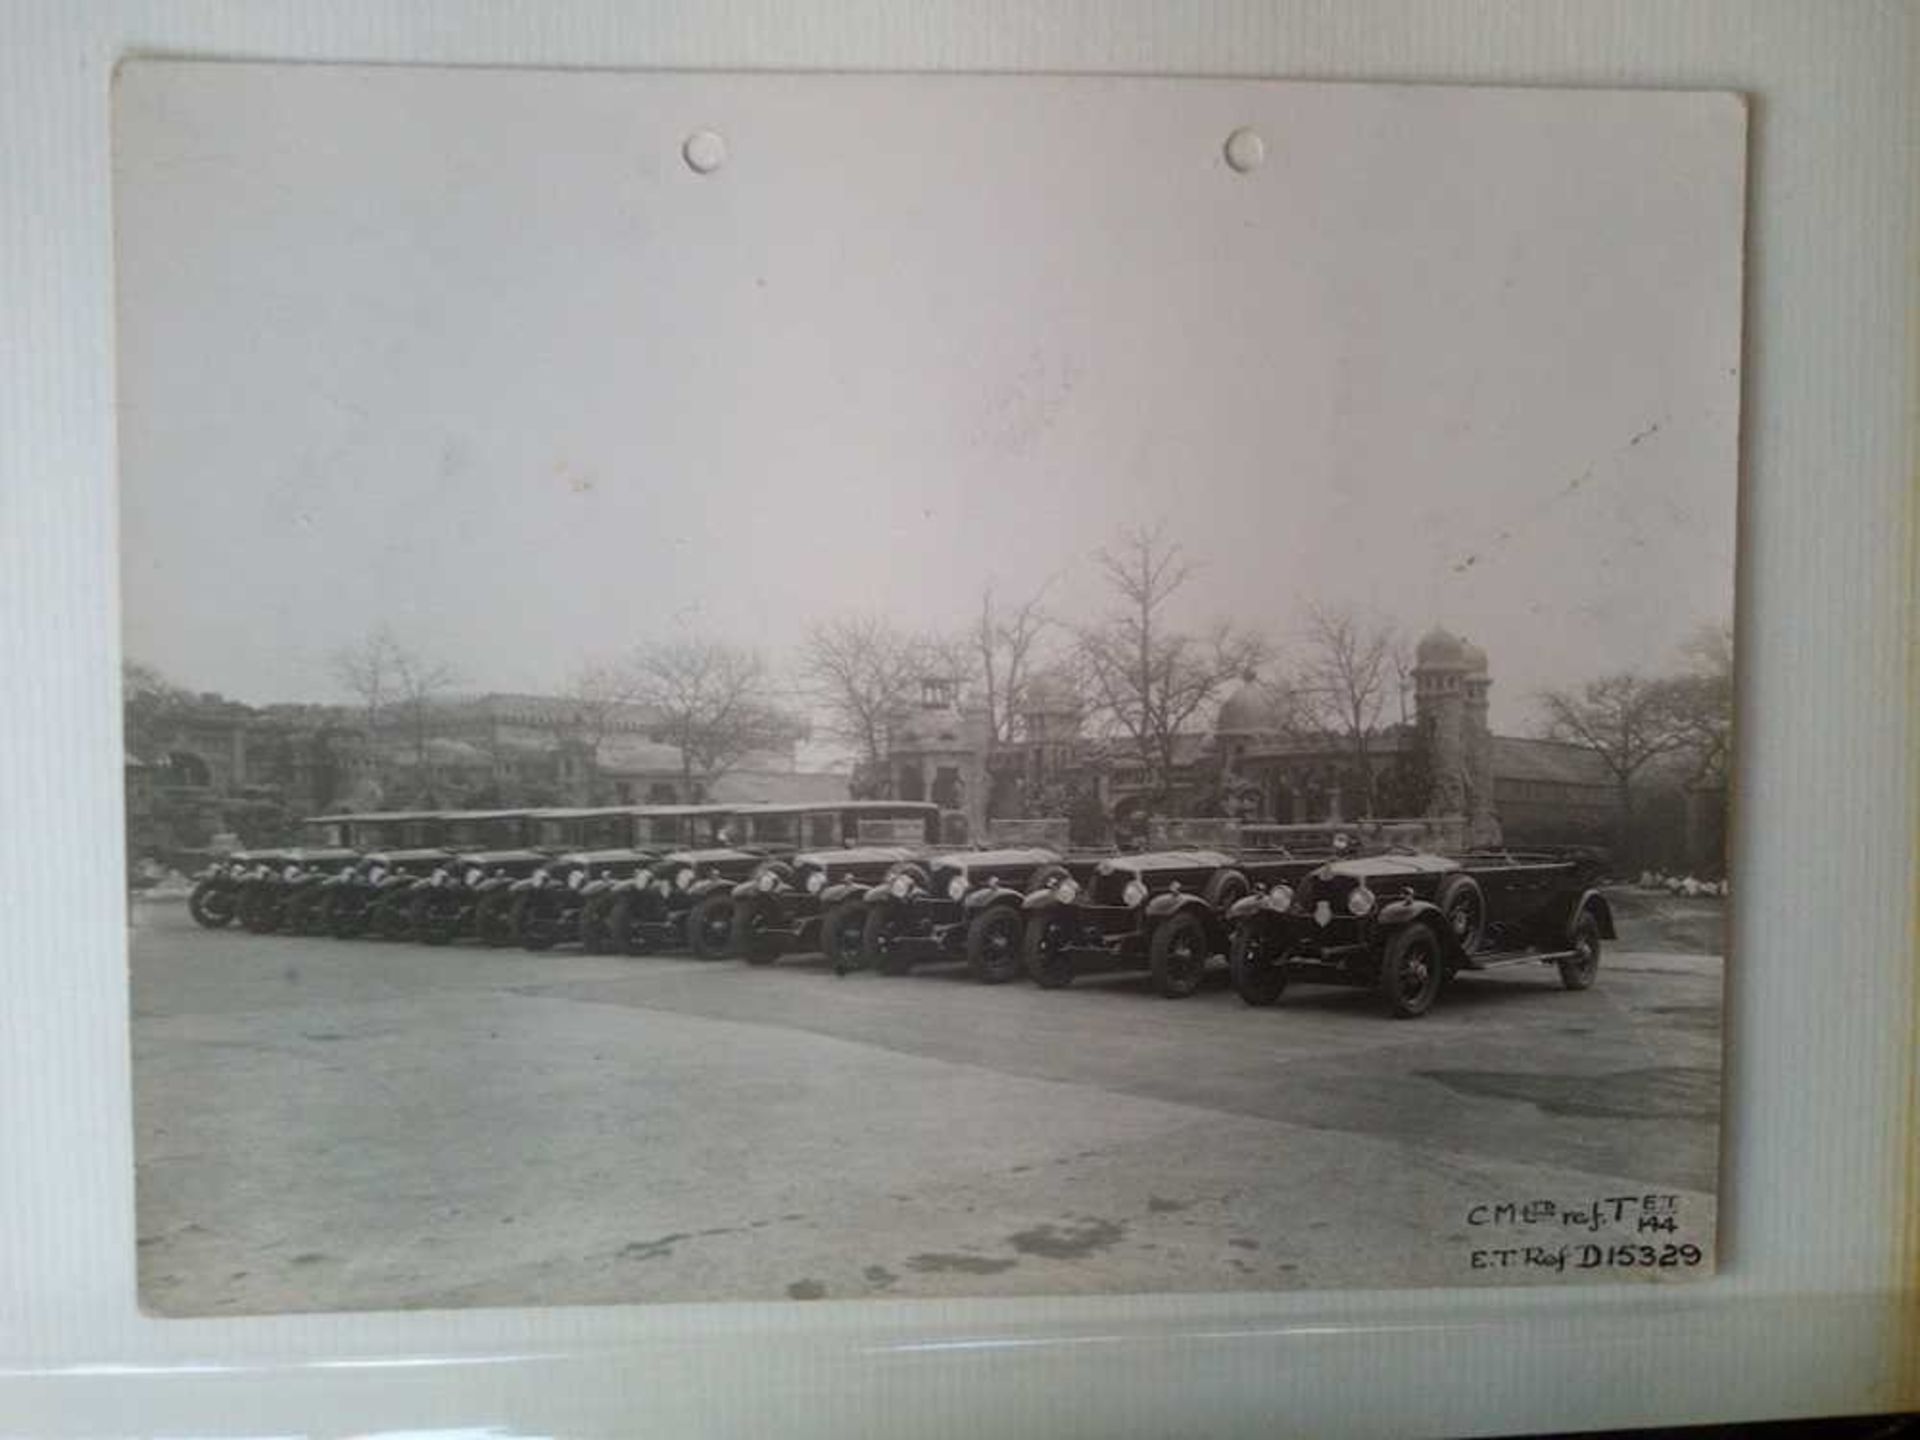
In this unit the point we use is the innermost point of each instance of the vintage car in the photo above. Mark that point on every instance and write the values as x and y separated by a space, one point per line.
215 898
785 904
1404 923
567 898
469 894
279 894
686 899
1164 912
962 905
362 896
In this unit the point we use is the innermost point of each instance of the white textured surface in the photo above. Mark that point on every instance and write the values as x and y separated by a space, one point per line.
1821 1024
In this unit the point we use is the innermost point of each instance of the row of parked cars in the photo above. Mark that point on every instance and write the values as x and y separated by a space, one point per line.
869 885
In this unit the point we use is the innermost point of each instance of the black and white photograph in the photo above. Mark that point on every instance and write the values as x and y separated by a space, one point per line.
757 687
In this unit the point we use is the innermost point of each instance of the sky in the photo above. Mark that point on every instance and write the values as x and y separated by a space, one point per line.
475 355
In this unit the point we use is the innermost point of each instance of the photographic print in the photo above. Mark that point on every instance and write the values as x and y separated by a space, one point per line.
778 687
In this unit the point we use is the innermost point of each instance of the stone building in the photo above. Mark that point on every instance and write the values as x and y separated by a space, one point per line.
1255 763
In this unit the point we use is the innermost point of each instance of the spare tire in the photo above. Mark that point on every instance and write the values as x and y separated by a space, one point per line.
1460 900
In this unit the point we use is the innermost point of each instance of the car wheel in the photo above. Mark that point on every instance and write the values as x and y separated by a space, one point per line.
1257 966
1178 954
623 926
533 923
493 919
710 926
392 917
1412 967
432 924
1578 972
1045 953
346 917
211 905
1460 900
993 944
842 934
750 939
877 951
595 937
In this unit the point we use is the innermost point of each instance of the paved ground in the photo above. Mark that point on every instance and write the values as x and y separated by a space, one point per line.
333 1125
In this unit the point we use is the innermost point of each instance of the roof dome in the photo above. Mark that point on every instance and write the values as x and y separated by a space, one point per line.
1251 710
1440 650
1474 656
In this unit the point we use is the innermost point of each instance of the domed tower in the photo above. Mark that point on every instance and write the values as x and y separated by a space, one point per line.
1251 712
1483 824
1440 668
937 750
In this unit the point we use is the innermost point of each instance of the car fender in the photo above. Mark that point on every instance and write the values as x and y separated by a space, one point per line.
1042 900
1398 914
1247 905
843 890
1161 906
988 897
877 894
1592 902
596 887
745 890
700 889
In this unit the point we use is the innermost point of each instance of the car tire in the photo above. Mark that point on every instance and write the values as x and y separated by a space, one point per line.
1256 965
1177 955
595 936
211 905
392 917
1579 973
842 936
623 922
1460 900
347 917
430 928
493 919
877 934
1045 953
993 944
710 926
1412 970
750 939
530 928
258 912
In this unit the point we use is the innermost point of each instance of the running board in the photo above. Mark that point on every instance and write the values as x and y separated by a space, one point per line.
1498 958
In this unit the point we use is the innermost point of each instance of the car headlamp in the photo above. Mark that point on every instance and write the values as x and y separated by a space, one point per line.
957 887
1135 893
377 874
577 878
664 886
292 872
769 882
346 872
539 877
1068 890
816 882
475 875
1362 900
900 887
1280 897
684 879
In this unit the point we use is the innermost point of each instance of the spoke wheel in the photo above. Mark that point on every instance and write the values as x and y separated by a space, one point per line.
710 927
1579 972
211 904
1046 954
1257 965
1178 954
1411 970
842 935
750 939
993 945
877 950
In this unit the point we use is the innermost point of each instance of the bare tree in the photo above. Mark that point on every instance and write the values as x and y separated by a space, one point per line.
1702 704
1149 680
393 681
1353 667
368 669
708 701
861 670
1627 720
1005 644
591 703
